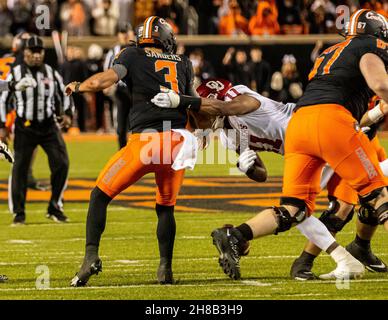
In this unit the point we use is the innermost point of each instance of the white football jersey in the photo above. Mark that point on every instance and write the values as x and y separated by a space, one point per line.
263 129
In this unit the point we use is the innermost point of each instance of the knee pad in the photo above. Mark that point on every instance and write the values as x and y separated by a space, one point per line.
285 220
331 221
368 214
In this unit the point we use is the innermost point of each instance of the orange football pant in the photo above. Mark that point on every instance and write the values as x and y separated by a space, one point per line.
340 189
143 154
327 133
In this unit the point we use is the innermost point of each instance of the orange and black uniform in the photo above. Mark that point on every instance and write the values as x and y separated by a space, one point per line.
146 73
325 126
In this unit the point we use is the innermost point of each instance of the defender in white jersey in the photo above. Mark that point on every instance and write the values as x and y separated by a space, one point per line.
265 131
241 109
265 126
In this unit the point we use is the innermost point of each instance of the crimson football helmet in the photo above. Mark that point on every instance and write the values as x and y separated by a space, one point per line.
215 88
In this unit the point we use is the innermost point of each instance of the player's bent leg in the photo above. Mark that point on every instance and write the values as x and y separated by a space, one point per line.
232 243
121 171
338 214
95 226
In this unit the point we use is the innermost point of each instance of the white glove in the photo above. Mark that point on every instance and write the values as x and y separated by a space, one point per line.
25 83
166 99
246 160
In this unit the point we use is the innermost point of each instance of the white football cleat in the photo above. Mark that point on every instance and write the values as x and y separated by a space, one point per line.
349 268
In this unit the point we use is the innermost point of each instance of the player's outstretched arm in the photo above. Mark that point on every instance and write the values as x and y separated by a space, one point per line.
375 74
97 82
374 115
240 105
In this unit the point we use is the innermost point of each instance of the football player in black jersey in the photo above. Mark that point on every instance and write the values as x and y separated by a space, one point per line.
153 143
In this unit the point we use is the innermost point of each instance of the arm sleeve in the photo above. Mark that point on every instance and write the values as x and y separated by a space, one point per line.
122 62
66 104
5 105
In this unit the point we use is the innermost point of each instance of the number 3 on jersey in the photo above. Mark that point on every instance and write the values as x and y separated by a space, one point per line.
326 62
171 75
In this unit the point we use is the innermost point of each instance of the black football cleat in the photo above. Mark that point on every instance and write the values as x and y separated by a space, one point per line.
19 219
366 257
56 214
58 217
229 242
301 270
88 269
164 274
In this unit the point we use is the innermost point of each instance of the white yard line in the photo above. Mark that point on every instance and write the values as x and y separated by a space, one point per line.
209 285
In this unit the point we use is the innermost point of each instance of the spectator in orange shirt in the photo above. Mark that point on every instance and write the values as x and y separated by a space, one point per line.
233 23
265 21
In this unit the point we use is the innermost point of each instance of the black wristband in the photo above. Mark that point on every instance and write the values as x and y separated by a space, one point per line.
191 103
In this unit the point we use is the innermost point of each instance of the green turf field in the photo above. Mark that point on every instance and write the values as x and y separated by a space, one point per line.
129 250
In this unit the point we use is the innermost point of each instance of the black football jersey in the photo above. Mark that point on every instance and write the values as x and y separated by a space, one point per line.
147 73
336 77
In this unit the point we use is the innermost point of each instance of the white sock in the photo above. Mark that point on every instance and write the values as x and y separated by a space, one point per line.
339 254
384 167
314 230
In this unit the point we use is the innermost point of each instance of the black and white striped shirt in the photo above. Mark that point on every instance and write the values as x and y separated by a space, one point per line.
36 104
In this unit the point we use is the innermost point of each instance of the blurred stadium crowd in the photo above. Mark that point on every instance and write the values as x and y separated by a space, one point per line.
230 17
248 66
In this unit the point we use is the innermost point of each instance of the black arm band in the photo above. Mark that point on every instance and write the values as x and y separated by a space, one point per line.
191 103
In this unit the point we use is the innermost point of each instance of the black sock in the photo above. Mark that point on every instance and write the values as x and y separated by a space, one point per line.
165 232
362 243
95 223
307 257
246 231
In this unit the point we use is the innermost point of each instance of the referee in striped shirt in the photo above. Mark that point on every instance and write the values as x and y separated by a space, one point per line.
121 96
41 111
